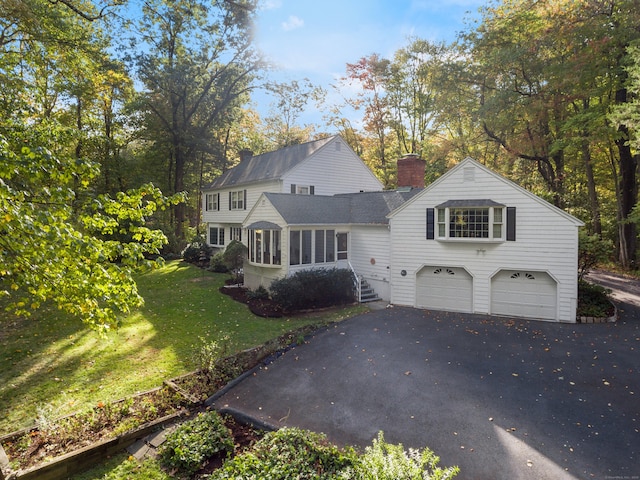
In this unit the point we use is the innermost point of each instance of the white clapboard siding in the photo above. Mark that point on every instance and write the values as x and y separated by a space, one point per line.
546 240
333 169
370 256
226 216
256 275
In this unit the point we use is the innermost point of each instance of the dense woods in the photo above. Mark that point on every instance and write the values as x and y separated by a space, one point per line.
113 114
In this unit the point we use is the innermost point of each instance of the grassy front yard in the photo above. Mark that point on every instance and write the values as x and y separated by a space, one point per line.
52 365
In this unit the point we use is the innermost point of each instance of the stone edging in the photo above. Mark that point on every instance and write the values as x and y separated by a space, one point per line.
612 319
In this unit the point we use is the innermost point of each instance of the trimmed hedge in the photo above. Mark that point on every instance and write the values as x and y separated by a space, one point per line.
314 288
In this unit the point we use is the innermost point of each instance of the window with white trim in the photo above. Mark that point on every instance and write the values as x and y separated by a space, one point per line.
237 200
472 220
264 246
311 246
216 236
302 189
235 233
212 202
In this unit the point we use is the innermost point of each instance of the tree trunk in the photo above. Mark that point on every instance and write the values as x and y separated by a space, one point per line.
594 205
628 192
178 186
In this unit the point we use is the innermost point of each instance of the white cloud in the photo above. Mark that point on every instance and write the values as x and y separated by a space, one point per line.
292 23
271 5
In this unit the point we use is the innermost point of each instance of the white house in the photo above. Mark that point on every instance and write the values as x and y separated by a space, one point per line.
322 167
287 233
472 241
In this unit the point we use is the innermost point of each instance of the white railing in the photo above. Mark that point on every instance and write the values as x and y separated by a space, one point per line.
356 282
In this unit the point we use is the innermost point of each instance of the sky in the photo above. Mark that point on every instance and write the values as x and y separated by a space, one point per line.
315 39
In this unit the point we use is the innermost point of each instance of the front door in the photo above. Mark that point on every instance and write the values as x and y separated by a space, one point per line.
342 249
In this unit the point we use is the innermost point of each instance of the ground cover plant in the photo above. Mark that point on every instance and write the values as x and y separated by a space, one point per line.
52 361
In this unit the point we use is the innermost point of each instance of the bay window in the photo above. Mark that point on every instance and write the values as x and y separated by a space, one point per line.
471 220
264 245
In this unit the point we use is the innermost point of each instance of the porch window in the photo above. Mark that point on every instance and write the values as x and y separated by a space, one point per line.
264 246
311 247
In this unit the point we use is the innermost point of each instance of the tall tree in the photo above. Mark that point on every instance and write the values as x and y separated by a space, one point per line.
290 100
197 63
59 242
412 92
548 73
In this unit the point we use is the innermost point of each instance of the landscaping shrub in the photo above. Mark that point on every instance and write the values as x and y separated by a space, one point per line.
259 293
314 288
217 263
208 358
233 258
197 252
192 443
592 250
289 453
593 300
384 461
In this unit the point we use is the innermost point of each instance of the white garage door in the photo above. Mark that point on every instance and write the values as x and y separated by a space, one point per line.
524 294
444 288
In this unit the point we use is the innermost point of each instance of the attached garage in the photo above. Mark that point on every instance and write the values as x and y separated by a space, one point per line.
524 294
444 288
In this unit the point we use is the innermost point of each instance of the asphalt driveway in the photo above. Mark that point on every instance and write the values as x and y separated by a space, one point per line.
502 398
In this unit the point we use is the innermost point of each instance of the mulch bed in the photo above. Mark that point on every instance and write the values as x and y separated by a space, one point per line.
263 307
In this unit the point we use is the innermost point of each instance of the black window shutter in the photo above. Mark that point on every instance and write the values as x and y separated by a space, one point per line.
218 202
511 224
312 190
229 200
293 188
430 225
245 200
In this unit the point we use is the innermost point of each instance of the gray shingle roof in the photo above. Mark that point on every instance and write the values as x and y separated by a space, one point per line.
365 208
269 166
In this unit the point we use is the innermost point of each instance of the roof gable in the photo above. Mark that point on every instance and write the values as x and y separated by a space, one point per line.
270 165
468 161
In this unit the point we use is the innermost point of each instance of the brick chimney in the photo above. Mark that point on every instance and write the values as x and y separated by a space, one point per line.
245 154
411 170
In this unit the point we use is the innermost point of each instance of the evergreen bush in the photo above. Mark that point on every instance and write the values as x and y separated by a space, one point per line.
314 288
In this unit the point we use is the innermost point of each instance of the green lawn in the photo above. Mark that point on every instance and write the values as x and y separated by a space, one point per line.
53 365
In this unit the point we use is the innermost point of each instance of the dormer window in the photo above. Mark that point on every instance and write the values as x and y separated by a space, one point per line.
471 220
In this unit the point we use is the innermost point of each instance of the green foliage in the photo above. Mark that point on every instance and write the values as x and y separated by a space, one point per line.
122 466
313 288
194 441
259 293
59 243
234 256
208 358
593 300
217 263
384 461
592 250
197 252
288 453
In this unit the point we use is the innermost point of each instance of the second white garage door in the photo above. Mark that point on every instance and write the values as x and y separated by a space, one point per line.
444 288
524 294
